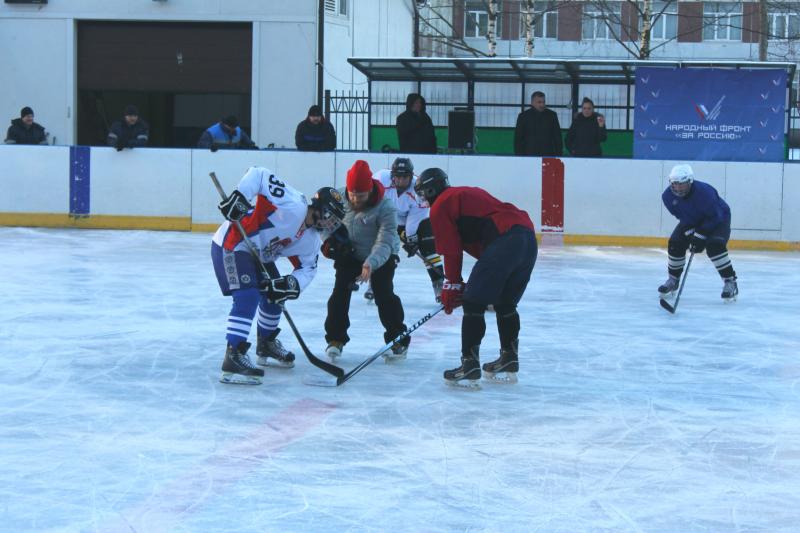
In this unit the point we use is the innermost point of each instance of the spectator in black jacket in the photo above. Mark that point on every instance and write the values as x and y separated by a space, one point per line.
538 131
131 132
24 130
415 128
315 134
587 131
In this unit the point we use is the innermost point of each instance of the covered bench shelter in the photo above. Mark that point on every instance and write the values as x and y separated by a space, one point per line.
530 73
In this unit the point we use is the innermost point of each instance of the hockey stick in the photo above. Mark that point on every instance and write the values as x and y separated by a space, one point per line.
316 361
386 347
665 304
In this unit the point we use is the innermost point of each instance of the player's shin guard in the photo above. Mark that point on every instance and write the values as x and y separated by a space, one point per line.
473 326
504 368
269 349
718 253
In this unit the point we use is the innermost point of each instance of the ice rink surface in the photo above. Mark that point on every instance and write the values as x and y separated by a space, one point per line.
625 418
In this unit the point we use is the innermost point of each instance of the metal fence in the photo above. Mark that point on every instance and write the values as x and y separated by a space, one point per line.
349 114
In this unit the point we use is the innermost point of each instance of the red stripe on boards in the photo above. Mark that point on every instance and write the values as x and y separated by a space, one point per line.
552 195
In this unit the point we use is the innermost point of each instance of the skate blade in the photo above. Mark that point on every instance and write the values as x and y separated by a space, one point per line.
320 381
237 379
508 378
271 362
730 300
466 384
390 357
667 295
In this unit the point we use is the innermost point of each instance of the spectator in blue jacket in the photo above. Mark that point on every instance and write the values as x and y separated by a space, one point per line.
227 135
315 134
130 132
24 130
704 223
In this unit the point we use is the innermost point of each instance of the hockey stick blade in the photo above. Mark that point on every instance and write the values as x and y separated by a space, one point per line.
313 359
388 346
666 305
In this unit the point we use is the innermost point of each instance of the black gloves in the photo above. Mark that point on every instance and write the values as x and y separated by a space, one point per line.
235 206
278 290
697 243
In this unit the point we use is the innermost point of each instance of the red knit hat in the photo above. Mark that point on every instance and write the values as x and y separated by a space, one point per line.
359 177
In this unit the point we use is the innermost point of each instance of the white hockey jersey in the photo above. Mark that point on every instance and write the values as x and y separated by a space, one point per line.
276 225
410 209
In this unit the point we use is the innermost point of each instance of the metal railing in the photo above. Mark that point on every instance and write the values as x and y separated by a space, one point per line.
348 112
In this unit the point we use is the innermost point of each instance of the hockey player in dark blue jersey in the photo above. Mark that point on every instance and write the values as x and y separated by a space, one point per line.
704 223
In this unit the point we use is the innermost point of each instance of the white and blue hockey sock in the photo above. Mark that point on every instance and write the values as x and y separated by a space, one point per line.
245 303
269 315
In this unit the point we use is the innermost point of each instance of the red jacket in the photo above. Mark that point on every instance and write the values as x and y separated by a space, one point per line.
468 219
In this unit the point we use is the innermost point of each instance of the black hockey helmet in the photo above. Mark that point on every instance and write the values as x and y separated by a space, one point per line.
402 166
330 204
431 183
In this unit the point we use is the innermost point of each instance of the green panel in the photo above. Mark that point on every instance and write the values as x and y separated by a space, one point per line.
501 140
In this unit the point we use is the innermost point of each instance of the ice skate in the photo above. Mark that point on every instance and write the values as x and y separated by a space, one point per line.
271 352
334 350
468 375
398 352
668 287
504 369
730 290
237 367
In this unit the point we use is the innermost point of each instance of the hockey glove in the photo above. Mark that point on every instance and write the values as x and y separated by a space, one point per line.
697 243
338 245
452 295
235 206
278 290
411 245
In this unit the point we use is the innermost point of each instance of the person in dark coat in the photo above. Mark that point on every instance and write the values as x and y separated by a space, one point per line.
24 130
537 131
227 135
315 134
415 128
131 132
587 131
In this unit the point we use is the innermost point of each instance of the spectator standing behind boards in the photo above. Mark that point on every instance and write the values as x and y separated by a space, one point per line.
587 131
538 131
226 135
315 134
24 130
131 132
415 128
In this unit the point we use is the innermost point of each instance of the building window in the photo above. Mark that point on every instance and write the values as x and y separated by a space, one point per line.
601 22
664 21
784 25
722 21
476 19
545 20
336 7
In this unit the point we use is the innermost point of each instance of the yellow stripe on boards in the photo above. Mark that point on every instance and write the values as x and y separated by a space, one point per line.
51 220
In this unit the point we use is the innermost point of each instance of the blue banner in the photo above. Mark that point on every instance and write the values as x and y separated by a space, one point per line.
710 114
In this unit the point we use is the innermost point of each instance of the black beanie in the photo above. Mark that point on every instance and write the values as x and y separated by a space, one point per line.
131 110
231 121
25 112
315 111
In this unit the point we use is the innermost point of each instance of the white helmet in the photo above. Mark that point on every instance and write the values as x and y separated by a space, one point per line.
681 174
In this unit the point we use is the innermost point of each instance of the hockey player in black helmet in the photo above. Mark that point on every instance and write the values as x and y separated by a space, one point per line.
502 238
413 222
279 224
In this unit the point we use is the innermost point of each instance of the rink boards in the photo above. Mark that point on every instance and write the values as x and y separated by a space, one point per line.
578 201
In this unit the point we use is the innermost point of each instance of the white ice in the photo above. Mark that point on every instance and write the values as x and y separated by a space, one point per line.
625 418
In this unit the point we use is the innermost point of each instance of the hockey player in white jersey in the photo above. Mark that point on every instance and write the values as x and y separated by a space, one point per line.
279 223
413 219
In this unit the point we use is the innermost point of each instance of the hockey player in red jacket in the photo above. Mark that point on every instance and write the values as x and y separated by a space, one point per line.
502 238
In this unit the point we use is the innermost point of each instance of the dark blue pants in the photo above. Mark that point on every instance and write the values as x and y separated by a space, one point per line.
499 278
